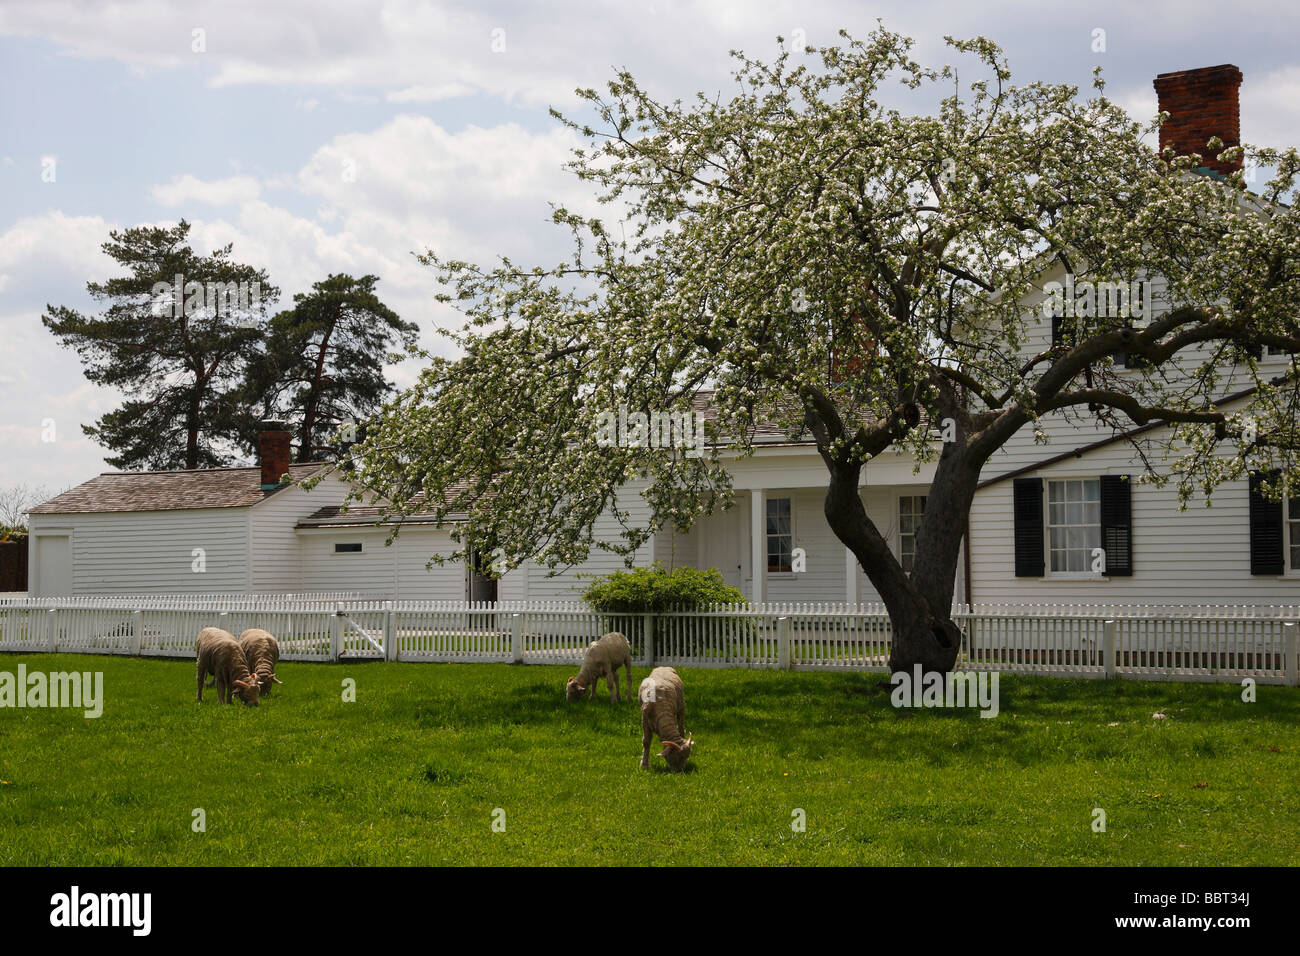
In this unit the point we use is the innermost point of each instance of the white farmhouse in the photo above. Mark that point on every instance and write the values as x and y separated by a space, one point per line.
1040 514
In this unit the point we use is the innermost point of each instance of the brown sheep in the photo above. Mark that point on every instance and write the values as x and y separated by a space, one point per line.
219 654
663 712
262 652
603 659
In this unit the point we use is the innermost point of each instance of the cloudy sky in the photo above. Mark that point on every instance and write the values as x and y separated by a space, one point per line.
243 115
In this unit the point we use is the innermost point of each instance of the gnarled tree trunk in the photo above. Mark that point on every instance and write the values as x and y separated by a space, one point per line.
920 604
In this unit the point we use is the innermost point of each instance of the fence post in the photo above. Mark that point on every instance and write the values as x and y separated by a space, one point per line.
52 632
517 638
390 632
222 620
1292 665
1108 648
648 634
336 633
137 632
783 643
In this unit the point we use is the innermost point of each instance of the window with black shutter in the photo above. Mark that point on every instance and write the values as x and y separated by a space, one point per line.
1265 527
1027 495
1117 525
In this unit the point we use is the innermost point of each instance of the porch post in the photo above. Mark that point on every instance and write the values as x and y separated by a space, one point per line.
850 577
758 543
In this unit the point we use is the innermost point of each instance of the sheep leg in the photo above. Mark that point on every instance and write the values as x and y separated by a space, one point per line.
202 674
646 734
611 685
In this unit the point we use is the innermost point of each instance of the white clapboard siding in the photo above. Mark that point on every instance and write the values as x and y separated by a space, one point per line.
1067 430
1201 555
153 551
439 582
276 561
371 570
566 584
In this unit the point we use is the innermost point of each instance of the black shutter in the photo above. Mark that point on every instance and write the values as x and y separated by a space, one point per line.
1056 330
1028 498
1117 525
1265 528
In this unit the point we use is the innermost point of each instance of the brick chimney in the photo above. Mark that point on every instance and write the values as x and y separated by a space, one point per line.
1201 103
273 452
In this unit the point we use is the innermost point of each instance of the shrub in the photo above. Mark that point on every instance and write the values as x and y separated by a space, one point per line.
655 588
625 595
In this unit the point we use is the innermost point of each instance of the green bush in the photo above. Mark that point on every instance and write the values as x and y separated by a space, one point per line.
622 597
655 588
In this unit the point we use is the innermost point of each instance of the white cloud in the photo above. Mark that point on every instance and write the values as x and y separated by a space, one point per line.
429 94
38 251
220 192
1270 108
414 51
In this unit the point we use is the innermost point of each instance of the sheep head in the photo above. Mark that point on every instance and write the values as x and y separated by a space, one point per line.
248 690
677 754
573 690
264 683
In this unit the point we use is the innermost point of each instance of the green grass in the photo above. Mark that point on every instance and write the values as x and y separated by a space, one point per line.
412 771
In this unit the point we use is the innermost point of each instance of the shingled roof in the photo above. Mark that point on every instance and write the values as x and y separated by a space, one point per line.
168 490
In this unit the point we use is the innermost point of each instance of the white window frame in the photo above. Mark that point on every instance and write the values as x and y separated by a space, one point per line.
1287 570
767 535
1087 574
898 514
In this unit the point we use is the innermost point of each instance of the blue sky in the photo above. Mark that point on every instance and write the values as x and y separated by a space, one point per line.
441 108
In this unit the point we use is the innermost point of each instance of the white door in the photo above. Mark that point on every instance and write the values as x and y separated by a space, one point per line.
54 564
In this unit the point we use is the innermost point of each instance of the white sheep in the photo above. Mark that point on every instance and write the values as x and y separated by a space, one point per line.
663 712
262 652
220 655
602 659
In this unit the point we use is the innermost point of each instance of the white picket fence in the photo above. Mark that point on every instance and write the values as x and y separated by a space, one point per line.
1152 642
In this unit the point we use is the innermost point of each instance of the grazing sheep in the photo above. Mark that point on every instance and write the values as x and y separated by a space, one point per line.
603 659
220 655
663 712
262 652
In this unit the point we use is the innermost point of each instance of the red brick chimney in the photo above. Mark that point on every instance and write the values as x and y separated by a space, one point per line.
1201 103
273 450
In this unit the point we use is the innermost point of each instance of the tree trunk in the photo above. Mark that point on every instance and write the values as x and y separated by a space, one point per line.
919 606
192 432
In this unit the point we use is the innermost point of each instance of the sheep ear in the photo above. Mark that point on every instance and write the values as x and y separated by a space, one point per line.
668 744
276 680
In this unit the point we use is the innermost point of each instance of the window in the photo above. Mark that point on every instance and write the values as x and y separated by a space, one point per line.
347 547
910 510
1073 524
1274 528
1083 514
780 536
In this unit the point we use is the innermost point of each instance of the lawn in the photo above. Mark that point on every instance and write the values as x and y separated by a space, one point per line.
413 771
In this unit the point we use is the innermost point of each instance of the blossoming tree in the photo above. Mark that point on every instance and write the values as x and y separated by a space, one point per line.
859 276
